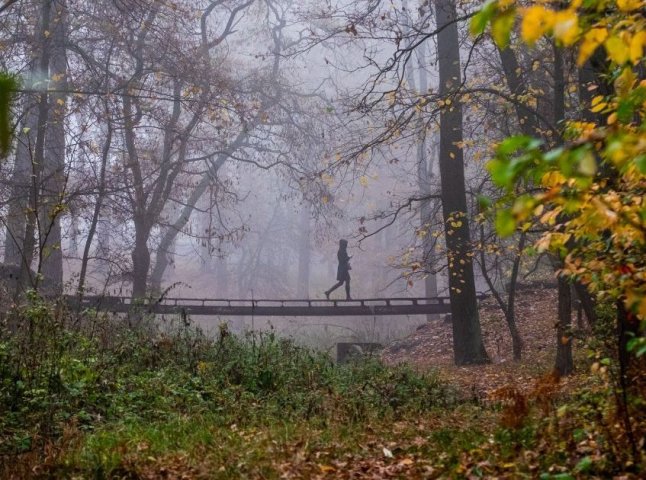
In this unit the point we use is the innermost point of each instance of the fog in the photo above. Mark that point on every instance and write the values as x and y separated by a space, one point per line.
201 149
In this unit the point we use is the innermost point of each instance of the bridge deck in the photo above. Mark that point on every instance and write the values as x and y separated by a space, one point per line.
300 308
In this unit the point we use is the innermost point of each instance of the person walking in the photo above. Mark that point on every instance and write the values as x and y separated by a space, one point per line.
343 271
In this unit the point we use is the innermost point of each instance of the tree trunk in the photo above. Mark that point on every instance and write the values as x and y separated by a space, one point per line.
508 307
468 347
161 259
21 221
37 160
97 205
427 219
587 302
170 233
54 158
304 253
526 119
559 86
516 339
424 168
21 182
510 313
140 260
592 82
627 327
564 363
427 207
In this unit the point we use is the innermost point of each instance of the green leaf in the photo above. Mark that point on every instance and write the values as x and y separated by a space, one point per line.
556 476
505 223
625 111
8 86
584 465
578 435
553 155
523 206
501 28
481 19
640 161
637 345
484 203
513 144
501 171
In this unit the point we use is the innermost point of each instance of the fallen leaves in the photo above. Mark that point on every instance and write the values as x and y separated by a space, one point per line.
430 346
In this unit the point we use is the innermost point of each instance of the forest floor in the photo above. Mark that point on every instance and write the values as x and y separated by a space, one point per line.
430 347
116 403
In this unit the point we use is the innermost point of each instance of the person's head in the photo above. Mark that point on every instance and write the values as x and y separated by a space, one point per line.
343 243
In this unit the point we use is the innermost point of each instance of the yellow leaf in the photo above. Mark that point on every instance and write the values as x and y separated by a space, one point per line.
630 5
597 100
549 218
591 41
363 180
537 21
588 165
617 50
543 243
636 302
552 179
326 468
598 107
60 101
624 82
637 47
566 26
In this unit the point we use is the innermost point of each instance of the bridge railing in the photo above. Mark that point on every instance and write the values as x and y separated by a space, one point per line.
268 307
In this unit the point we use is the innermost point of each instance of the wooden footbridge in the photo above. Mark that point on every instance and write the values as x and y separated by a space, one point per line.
260 307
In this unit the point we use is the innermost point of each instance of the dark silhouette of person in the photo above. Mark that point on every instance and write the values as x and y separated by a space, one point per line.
343 271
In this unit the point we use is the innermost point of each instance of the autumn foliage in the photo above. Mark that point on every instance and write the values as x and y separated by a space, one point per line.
589 203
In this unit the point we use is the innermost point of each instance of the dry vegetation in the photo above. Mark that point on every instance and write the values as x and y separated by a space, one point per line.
431 345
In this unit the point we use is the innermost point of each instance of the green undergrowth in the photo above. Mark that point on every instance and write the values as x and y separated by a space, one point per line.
173 387
83 396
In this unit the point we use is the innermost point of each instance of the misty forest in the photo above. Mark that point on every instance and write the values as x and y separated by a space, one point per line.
322 239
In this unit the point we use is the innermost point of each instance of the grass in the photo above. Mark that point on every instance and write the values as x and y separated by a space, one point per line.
84 398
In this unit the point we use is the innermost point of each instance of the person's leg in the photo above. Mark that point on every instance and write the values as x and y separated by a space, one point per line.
334 287
347 289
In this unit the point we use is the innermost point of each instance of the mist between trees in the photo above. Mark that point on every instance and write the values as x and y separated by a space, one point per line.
219 149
